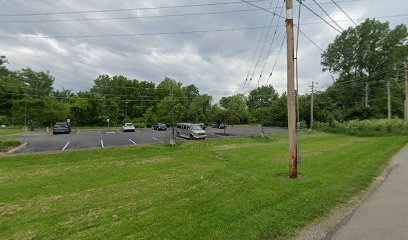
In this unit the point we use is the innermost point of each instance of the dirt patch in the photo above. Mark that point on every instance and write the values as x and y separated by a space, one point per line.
219 157
154 160
235 146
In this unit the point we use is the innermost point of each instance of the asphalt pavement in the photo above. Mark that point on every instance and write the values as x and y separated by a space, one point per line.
384 215
41 141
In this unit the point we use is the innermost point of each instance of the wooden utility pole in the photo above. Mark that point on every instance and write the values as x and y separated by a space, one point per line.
389 98
406 91
291 91
173 139
311 106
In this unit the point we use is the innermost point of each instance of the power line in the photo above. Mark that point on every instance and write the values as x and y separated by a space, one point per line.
144 17
183 32
133 34
324 20
257 46
345 13
274 13
126 9
328 15
276 60
264 44
128 17
269 50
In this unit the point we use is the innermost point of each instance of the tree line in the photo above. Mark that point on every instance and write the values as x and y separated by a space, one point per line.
362 59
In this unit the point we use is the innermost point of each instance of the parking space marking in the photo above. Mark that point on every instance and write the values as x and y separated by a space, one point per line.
158 140
78 131
119 131
65 147
99 132
132 141
102 143
110 132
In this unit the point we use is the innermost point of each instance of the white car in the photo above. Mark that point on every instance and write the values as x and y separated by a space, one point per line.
128 127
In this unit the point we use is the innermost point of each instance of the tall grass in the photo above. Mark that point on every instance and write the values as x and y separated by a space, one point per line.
372 127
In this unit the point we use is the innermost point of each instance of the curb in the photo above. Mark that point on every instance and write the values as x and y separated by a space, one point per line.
327 226
22 146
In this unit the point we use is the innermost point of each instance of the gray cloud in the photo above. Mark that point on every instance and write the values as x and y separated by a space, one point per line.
216 62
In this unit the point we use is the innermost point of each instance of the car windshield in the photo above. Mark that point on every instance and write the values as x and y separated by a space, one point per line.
60 125
129 125
196 127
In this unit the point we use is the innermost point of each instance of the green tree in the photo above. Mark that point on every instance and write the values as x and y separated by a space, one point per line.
39 84
226 117
54 111
361 55
236 103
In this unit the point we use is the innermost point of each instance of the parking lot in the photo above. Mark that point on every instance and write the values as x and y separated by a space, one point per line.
83 139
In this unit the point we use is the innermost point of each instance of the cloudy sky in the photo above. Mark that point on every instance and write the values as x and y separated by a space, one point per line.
76 40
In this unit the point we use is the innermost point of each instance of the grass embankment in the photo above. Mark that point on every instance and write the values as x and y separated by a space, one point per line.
224 189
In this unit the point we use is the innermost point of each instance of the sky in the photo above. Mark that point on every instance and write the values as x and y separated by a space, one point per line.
77 40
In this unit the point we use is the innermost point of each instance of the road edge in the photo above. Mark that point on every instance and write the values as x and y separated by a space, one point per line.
324 228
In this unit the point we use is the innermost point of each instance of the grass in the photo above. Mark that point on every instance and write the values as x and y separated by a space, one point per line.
6 144
223 189
9 131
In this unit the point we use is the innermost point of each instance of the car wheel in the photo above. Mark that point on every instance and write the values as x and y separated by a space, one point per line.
191 137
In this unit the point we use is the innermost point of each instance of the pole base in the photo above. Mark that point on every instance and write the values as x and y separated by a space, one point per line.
172 141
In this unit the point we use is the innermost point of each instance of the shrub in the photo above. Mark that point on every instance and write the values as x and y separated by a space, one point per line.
372 127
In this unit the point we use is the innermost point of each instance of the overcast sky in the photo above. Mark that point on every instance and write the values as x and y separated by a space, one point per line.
216 62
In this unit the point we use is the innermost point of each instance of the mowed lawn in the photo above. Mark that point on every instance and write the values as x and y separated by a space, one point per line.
221 189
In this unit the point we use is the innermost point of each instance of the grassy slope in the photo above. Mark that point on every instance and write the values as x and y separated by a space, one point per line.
225 189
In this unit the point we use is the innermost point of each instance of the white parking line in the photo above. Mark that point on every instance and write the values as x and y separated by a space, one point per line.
132 141
65 147
78 131
119 132
157 139
102 143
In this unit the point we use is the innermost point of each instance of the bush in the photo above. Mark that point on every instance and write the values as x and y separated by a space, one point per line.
366 128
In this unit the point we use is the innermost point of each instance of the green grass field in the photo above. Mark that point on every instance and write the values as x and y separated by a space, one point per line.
223 189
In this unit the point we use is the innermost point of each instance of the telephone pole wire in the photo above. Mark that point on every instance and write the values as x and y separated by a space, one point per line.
291 91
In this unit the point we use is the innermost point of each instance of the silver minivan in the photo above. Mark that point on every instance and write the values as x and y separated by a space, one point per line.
191 131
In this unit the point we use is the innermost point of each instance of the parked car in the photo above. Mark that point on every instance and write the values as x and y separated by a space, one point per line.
191 131
219 125
128 127
61 127
203 126
160 127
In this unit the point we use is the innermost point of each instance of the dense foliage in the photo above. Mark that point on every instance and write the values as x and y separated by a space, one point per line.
369 128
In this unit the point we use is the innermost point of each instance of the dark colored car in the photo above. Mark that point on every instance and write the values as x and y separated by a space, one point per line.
203 126
160 127
61 127
220 125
